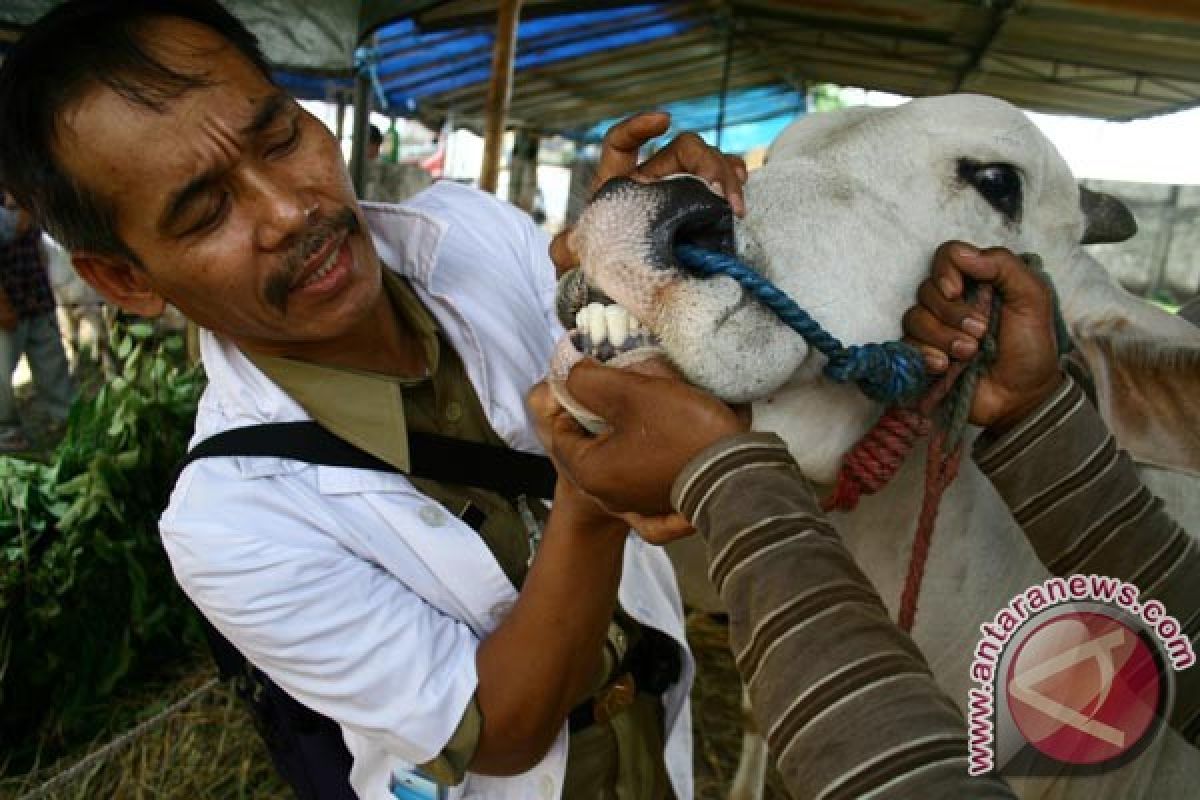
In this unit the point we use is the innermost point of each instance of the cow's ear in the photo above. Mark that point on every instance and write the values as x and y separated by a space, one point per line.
1148 391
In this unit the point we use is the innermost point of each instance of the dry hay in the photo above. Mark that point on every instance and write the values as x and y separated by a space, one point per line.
211 750
717 713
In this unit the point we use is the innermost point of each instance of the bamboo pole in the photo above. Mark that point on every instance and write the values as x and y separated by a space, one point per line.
499 91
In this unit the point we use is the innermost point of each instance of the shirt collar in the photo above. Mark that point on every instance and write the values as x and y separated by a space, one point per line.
364 408
406 238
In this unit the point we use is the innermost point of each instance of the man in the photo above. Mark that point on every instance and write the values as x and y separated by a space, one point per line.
154 144
28 327
671 448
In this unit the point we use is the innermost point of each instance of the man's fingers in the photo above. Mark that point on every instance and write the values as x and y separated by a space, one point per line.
661 529
954 259
562 252
688 153
604 390
623 142
570 444
542 402
1022 290
954 314
936 340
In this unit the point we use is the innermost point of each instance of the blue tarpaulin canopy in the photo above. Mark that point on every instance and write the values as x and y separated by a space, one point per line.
579 62
436 72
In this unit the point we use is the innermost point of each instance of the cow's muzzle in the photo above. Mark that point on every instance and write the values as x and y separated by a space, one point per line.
686 211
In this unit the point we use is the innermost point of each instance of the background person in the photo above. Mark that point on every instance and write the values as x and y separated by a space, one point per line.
28 327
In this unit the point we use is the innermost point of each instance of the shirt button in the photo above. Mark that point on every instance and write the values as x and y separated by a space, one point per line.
453 412
432 516
546 787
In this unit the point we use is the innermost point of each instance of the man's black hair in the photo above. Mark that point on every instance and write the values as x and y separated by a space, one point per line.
76 47
376 135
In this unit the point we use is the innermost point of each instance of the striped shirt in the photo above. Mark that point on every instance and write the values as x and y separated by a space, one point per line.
860 715
1079 500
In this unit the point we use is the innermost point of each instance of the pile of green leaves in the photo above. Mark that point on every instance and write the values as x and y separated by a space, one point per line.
86 593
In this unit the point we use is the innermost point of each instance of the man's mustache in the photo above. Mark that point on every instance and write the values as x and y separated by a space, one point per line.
279 285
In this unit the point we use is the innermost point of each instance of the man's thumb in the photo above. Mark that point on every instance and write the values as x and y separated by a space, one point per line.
602 389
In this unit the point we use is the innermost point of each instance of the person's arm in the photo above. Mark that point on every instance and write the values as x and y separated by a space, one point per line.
544 657
846 700
1047 451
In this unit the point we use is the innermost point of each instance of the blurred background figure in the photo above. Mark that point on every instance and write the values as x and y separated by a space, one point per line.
82 316
374 143
28 327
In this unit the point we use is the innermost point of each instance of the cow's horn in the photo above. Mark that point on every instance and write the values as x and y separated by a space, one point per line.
1108 219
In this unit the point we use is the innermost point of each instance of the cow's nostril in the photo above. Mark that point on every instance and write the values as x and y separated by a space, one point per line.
706 232
688 213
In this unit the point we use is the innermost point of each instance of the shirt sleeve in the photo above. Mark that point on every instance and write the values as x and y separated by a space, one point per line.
333 628
859 710
1083 507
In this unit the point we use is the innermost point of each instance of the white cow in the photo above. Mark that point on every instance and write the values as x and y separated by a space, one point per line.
845 217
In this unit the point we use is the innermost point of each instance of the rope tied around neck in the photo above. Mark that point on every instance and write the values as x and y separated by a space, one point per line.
893 373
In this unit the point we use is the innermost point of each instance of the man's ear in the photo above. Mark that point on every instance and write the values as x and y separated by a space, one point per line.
121 282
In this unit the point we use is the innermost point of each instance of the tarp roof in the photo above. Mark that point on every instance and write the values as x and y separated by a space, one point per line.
581 62
1106 58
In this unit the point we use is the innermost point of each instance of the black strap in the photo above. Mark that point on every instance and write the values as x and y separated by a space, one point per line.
436 458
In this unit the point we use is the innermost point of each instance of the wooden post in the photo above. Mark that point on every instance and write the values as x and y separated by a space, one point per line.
499 91
362 124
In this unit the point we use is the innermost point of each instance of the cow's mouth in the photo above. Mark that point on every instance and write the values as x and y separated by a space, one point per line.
685 212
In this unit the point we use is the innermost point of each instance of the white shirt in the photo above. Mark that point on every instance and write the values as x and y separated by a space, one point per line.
361 597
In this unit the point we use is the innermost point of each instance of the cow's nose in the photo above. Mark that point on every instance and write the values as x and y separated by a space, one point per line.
684 211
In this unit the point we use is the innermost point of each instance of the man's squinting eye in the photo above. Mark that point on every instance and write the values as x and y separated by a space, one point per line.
285 142
211 214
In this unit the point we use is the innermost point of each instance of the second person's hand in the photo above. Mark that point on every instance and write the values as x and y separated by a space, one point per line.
945 327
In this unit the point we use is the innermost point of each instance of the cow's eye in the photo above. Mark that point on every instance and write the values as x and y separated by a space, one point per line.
1000 185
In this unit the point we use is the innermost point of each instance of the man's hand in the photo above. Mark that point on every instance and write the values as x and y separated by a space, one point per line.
657 424
945 327
687 152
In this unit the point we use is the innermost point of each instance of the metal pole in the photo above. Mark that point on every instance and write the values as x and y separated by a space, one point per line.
725 69
362 121
340 127
499 91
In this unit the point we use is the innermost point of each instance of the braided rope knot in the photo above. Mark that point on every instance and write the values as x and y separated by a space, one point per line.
889 372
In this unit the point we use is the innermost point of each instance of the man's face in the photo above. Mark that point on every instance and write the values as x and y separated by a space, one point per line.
235 200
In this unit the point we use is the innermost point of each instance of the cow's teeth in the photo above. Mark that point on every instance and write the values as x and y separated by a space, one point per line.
618 324
597 325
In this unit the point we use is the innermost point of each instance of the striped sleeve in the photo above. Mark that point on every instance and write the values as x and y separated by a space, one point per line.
1078 498
846 700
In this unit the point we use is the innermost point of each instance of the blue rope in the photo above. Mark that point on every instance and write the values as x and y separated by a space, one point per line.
888 372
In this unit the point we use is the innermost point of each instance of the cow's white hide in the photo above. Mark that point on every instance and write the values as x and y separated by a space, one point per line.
845 217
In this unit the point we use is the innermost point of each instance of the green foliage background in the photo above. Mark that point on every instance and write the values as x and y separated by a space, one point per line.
86 593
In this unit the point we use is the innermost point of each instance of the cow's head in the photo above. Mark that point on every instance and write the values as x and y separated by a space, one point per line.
845 218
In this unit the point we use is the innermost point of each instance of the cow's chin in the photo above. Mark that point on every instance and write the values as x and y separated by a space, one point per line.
725 341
